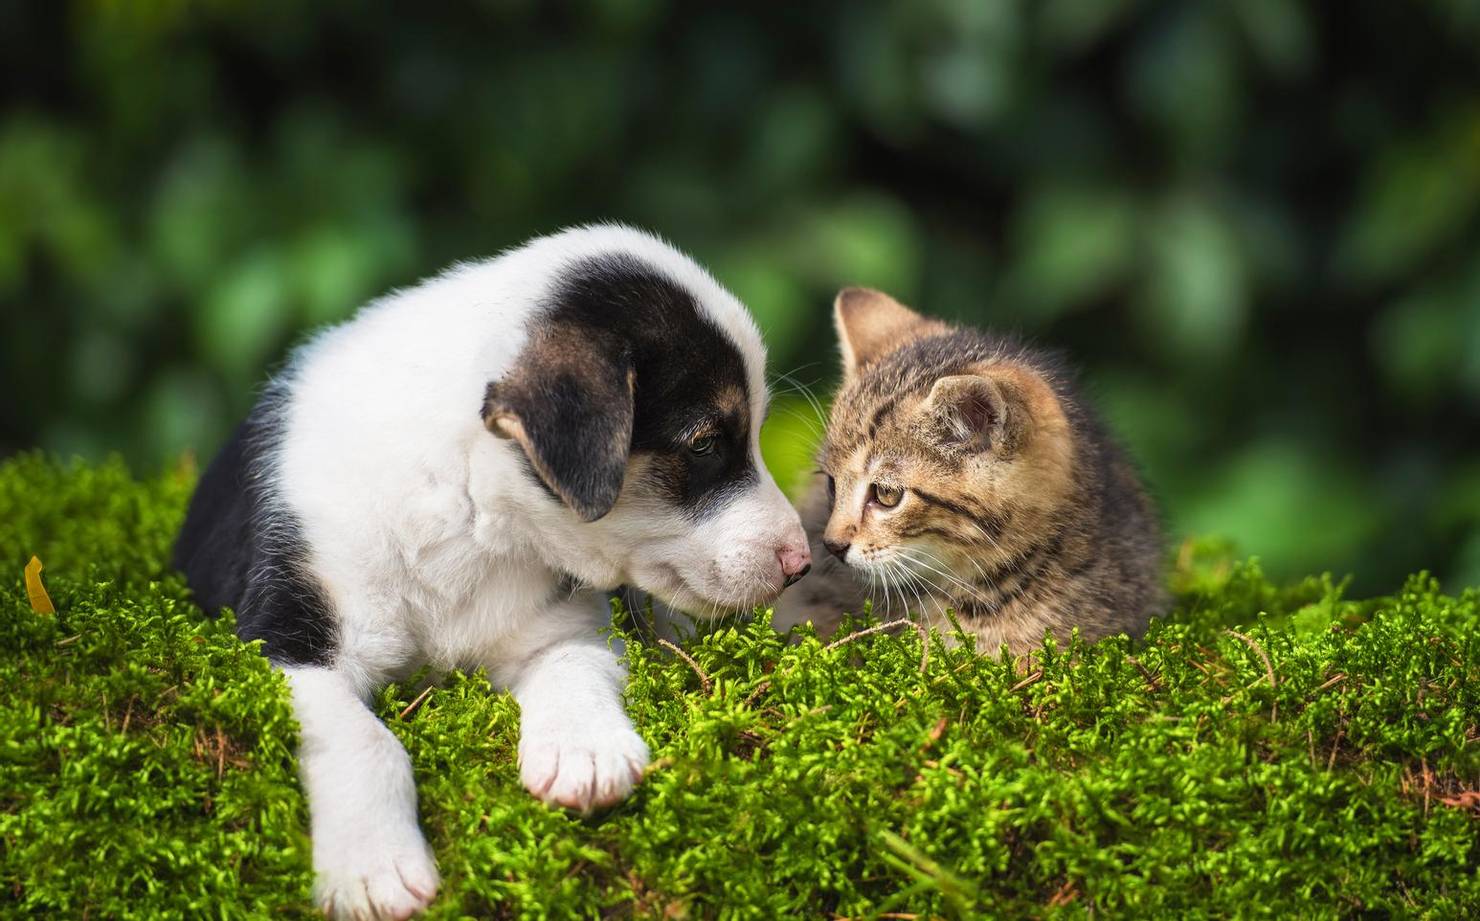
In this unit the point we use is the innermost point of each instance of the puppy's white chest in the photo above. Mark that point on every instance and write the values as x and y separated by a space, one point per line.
482 600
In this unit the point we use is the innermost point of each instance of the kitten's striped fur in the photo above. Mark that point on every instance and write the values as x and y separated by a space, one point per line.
1018 511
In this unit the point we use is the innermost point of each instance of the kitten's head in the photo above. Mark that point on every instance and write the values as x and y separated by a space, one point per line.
947 451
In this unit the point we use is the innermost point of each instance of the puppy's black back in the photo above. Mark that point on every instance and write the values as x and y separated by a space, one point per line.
239 549
214 548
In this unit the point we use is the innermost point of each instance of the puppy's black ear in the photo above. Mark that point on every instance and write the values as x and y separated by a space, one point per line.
568 403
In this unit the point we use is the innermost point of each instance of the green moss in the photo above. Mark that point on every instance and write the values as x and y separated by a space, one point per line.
146 757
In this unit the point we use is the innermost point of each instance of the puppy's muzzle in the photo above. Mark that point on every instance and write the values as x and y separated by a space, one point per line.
795 563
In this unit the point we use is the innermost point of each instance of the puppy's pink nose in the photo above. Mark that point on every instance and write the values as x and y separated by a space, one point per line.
795 562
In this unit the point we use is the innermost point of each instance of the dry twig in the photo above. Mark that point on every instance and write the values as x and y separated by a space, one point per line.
415 704
876 628
1151 681
1465 799
1253 644
704 680
1258 650
1031 679
1331 682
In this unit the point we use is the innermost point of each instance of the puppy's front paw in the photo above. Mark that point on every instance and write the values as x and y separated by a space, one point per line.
581 767
374 880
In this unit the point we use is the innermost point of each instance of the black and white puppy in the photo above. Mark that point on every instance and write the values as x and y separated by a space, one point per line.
454 478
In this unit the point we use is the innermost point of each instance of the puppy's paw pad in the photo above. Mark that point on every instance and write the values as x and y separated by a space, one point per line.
582 770
363 881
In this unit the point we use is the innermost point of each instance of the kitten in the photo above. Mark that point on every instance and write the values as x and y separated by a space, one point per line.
960 471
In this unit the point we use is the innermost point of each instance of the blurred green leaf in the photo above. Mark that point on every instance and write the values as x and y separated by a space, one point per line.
1266 497
1416 196
246 314
1279 33
1466 571
1184 78
758 277
865 239
1072 245
796 133
335 271
971 77
102 366
1194 303
1414 341
199 214
46 206
183 410
1071 25
790 438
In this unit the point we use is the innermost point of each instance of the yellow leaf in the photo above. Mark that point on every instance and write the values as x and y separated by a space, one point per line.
40 601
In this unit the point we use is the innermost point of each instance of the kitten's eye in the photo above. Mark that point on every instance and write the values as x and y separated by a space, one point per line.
887 496
704 444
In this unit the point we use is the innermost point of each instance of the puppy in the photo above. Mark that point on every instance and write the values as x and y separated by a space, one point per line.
454 478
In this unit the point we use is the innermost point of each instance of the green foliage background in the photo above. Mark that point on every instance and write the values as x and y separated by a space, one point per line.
1263 752
1257 224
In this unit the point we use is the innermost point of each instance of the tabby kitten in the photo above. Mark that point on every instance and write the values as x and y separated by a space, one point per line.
960 471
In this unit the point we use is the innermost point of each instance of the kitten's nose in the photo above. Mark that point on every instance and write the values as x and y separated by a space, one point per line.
795 562
837 548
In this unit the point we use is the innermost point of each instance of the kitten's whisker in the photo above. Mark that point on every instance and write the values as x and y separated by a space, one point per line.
931 591
888 594
818 425
888 599
971 590
942 563
933 558
983 532
926 585
791 375
893 575
812 426
909 580
806 393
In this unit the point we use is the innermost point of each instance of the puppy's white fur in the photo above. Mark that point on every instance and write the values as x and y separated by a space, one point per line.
435 547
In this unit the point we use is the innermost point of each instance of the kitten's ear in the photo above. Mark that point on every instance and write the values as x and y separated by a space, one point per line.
871 324
989 410
568 402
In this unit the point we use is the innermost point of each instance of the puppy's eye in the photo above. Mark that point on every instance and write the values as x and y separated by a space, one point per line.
703 444
887 496
832 491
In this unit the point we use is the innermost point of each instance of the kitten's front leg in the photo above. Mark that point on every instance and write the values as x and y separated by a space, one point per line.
577 747
369 857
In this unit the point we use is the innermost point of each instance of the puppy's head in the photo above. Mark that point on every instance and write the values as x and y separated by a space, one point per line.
637 401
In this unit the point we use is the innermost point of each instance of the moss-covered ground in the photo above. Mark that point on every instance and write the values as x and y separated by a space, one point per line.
1265 751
